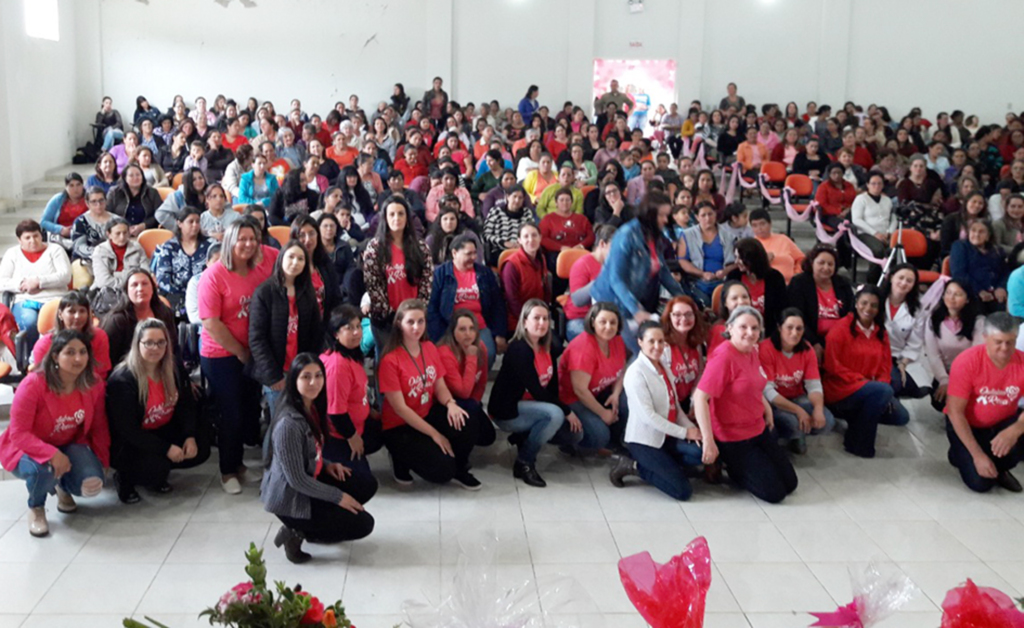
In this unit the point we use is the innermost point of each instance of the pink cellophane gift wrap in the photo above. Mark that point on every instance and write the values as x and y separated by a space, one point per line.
670 595
971 606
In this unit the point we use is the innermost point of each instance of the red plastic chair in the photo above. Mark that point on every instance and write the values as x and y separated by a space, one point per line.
773 174
798 191
915 244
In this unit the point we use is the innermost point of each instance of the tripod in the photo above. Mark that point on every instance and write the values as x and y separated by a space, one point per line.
897 255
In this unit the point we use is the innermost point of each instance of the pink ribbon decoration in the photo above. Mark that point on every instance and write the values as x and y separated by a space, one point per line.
774 200
726 185
824 237
863 250
686 148
792 212
742 181
843 617
699 161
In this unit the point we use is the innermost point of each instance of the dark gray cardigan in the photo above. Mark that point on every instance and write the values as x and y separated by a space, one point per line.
289 486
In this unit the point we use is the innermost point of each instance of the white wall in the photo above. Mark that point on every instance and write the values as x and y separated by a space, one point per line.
40 120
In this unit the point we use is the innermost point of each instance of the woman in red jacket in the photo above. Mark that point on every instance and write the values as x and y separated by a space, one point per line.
525 275
58 438
835 196
857 373
464 357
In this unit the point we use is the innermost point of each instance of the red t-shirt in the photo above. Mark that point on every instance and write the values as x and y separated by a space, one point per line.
467 380
34 256
70 410
158 410
583 354
100 350
756 290
991 393
415 379
828 310
715 338
291 345
233 145
318 289
655 264
789 374
399 288
69 211
665 377
467 294
735 382
119 252
685 368
346 390
584 271
545 370
225 295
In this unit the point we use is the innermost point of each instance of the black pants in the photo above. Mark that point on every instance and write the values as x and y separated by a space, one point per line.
338 450
960 458
485 435
414 450
238 401
330 523
760 466
138 467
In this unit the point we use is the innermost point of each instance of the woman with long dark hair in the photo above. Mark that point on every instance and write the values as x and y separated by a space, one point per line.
134 200
464 356
326 283
396 266
293 198
766 285
905 325
139 300
192 193
956 324
316 501
182 257
284 320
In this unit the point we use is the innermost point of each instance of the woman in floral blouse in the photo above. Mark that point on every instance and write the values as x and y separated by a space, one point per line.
181 257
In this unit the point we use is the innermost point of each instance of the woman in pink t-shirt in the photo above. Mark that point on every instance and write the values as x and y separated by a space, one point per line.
425 430
225 292
794 383
734 417
75 312
591 370
685 330
464 356
58 438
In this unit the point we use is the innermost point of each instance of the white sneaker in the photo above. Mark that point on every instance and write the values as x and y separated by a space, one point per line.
37 525
231 486
65 502
251 475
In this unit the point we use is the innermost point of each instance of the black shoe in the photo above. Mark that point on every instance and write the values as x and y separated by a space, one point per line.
623 468
466 480
401 473
126 492
528 474
292 542
798 445
163 488
1010 483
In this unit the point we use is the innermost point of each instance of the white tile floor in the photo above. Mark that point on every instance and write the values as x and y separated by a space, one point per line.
171 556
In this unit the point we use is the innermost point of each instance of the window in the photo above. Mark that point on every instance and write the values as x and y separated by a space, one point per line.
41 19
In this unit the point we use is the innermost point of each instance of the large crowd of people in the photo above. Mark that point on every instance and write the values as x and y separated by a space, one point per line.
327 286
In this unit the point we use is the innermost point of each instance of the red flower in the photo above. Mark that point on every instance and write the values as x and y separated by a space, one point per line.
315 614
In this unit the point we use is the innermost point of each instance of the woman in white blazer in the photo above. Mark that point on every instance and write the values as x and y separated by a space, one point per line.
905 321
661 439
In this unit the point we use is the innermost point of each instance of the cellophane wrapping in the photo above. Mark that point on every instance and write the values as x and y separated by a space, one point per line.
971 606
670 595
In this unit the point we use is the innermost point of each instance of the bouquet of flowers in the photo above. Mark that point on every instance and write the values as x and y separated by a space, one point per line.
252 604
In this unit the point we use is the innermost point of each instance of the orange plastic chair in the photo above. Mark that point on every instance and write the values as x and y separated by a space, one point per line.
152 238
164 193
945 267
716 299
775 175
566 259
176 180
280 233
915 244
587 189
47 317
801 196
240 208
503 257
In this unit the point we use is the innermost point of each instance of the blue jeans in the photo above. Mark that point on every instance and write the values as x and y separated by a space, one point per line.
487 338
110 136
41 482
663 468
543 422
25 315
638 120
874 403
573 328
787 425
596 433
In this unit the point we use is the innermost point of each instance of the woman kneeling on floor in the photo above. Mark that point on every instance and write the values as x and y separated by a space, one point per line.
154 423
661 439
58 438
317 501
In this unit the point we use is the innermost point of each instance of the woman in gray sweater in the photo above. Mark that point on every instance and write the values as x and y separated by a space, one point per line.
317 501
